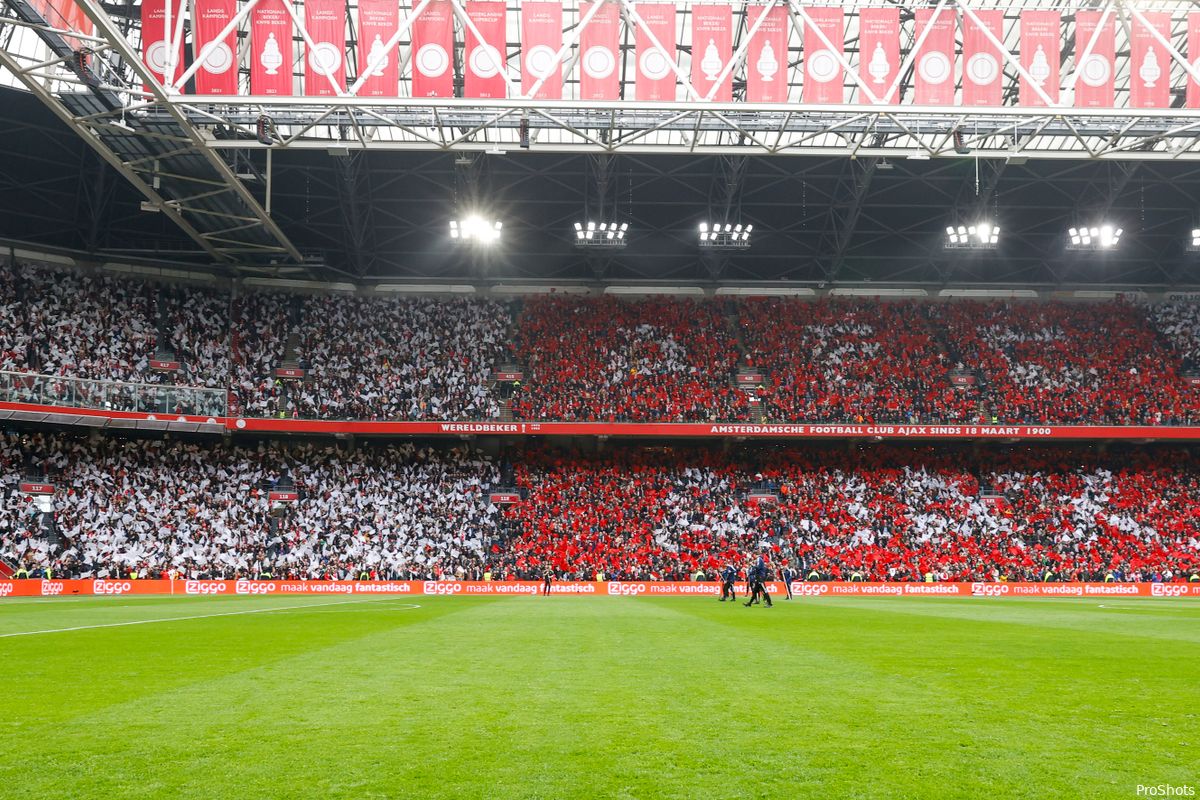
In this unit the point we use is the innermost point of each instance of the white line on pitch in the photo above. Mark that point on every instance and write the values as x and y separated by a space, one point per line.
200 616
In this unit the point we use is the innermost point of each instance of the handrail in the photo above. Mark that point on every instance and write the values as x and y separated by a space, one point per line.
105 395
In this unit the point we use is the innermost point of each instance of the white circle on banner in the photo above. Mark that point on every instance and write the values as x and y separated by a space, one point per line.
485 61
432 60
655 65
599 62
156 56
934 67
983 69
822 66
1095 70
325 58
219 58
241 423
540 60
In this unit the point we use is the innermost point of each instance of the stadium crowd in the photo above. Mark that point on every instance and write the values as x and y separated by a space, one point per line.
369 358
884 513
600 358
855 361
656 360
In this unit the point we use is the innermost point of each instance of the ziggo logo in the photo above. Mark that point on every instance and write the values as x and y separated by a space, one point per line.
200 587
6 589
254 587
626 589
1168 590
989 589
111 587
52 588
809 589
437 587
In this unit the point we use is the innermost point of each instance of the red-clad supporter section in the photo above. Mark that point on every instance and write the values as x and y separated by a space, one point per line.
603 359
800 589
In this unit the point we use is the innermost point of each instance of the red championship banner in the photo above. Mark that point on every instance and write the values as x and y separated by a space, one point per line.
983 63
325 61
541 39
824 46
599 53
1193 54
767 55
433 50
160 23
378 21
655 73
484 59
1040 34
1094 72
265 587
218 71
1149 63
271 54
879 52
934 65
712 47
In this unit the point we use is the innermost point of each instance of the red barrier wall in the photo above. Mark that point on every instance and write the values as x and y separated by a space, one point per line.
59 588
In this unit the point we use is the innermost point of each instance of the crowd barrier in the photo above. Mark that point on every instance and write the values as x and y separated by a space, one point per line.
801 589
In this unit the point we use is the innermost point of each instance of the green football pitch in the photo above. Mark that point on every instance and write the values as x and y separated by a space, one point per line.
570 697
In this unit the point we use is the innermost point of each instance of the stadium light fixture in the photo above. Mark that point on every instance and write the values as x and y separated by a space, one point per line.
725 235
475 229
600 234
980 236
1102 237
1194 247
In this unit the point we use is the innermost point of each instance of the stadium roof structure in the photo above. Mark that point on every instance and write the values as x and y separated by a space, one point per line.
349 187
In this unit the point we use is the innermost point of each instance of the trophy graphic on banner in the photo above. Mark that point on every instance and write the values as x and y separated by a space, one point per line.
1039 70
711 64
271 58
1149 71
878 68
378 57
767 64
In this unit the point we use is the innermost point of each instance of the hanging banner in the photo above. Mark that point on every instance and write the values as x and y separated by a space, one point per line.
541 39
325 61
218 59
155 35
1193 54
823 73
484 59
1094 74
983 63
655 76
712 47
1040 35
1149 63
432 50
879 51
599 53
271 49
935 60
378 21
767 55
68 16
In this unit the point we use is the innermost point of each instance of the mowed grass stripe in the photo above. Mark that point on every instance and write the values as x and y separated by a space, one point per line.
562 697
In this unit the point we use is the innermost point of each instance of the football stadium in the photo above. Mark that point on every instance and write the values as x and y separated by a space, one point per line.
600 399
